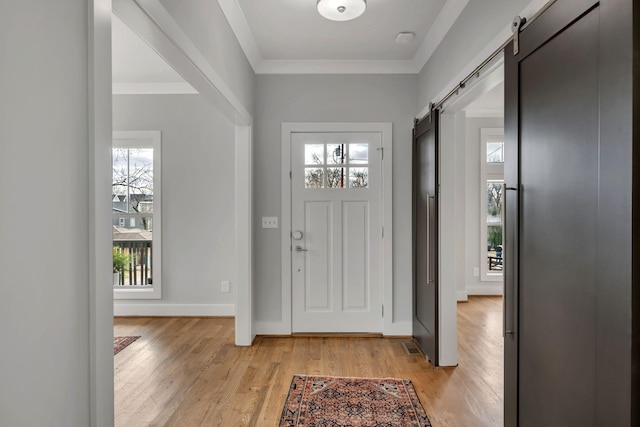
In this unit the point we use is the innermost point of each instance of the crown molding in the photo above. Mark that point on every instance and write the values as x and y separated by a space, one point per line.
336 67
240 27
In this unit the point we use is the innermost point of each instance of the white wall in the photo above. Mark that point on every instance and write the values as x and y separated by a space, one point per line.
475 28
473 285
205 24
44 219
198 212
329 98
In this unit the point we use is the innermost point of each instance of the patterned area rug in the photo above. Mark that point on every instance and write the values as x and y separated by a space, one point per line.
120 343
356 402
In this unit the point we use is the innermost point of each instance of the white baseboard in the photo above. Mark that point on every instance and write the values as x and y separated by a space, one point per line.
400 329
272 328
493 289
279 328
173 309
462 296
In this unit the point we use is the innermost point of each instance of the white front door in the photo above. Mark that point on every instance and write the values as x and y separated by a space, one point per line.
336 237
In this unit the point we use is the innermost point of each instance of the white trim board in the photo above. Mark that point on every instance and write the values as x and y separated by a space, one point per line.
272 328
100 303
244 329
462 296
174 310
153 88
240 27
385 129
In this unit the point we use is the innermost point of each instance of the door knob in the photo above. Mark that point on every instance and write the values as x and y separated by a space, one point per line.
300 249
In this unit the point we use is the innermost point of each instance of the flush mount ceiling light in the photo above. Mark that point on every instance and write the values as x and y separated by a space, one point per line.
341 10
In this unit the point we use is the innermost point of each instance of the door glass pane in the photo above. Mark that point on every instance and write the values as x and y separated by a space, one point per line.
313 178
336 178
314 154
335 154
359 153
495 152
358 177
494 203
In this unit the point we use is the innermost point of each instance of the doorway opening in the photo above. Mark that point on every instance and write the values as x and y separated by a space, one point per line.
472 162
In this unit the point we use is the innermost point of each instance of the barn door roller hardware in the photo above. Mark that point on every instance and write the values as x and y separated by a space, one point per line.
516 26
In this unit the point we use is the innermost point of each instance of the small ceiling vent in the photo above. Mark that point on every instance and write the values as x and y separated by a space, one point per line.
405 37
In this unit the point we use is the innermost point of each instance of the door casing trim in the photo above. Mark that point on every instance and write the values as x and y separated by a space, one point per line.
385 129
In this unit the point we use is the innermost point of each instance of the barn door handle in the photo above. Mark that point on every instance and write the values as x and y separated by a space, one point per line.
505 330
429 248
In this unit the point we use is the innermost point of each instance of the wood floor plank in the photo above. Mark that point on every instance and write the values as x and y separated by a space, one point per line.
188 372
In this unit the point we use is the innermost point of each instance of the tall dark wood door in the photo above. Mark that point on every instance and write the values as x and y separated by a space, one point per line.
567 309
425 232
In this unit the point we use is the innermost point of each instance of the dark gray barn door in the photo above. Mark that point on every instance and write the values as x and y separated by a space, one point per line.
425 218
561 320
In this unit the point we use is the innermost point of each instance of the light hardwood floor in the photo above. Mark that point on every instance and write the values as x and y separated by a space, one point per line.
187 371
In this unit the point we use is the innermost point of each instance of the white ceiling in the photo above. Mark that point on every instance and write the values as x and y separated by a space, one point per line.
289 36
293 29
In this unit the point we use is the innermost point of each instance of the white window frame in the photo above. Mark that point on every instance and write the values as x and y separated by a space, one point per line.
147 139
488 172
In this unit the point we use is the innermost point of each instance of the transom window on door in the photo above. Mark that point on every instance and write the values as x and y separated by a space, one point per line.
491 203
336 165
135 207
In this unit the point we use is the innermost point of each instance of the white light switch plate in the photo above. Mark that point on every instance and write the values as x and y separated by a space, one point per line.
269 222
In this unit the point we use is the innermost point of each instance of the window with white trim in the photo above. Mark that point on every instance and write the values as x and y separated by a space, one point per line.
491 206
136 211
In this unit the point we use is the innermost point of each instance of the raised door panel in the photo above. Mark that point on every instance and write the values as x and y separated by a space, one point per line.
355 241
318 229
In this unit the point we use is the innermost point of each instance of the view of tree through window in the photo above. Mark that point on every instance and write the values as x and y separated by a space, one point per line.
132 185
492 201
494 214
337 165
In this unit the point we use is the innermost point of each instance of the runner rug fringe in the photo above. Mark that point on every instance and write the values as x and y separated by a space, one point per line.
356 402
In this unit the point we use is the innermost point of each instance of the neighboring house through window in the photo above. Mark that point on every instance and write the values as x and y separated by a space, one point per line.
136 211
